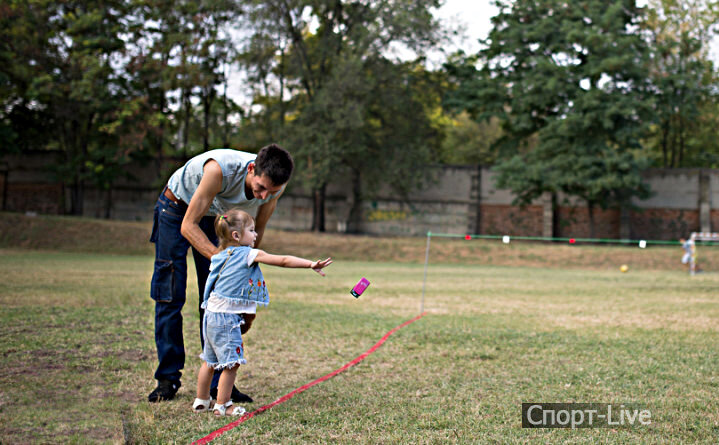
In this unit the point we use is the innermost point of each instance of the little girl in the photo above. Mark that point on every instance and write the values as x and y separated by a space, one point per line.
234 288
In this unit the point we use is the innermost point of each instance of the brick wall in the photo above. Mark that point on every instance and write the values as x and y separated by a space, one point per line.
33 197
503 219
573 222
664 224
714 217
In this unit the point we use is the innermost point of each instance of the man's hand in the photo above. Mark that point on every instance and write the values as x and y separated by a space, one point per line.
263 215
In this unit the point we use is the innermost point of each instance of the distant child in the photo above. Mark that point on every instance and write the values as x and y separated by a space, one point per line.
234 289
689 257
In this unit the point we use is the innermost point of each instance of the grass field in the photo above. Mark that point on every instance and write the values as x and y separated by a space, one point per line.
76 337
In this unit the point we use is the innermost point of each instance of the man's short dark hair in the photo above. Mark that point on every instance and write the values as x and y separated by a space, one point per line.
274 162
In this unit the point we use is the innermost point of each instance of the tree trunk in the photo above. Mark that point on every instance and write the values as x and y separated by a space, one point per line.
159 159
281 77
206 123
681 141
555 215
590 210
77 145
77 197
108 203
225 114
4 189
160 136
355 213
207 101
187 105
318 209
665 142
673 162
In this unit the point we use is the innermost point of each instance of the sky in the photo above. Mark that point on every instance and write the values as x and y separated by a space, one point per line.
474 17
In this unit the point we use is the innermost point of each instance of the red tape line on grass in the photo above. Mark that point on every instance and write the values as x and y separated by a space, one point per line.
289 395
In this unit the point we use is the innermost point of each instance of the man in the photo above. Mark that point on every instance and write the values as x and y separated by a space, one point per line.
206 186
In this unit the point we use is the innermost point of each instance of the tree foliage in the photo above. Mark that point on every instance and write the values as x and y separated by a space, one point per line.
105 81
323 71
61 75
684 82
570 97
567 79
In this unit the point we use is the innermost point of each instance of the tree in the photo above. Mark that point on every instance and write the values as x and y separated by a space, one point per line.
567 79
24 124
467 141
156 32
62 73
107 81
205 48
360 127
324 62
683 77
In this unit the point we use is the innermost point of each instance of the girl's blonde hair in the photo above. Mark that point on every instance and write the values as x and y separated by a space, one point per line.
232 220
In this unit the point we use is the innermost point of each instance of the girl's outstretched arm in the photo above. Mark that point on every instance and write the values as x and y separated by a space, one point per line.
292 261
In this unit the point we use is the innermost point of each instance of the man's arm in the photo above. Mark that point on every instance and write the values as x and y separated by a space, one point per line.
210 185
263 215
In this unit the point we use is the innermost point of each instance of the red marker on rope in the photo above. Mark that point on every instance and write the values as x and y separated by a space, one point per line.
304 388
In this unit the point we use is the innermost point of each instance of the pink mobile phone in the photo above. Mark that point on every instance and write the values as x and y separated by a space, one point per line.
360 287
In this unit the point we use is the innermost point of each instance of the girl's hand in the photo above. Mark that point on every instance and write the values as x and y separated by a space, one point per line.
317 266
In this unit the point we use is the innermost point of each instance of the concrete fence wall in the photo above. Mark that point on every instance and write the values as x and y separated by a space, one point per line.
457 199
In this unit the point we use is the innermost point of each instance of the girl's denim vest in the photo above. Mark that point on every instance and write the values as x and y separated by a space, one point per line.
230 277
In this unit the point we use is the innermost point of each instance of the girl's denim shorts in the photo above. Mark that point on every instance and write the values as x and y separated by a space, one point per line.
223 340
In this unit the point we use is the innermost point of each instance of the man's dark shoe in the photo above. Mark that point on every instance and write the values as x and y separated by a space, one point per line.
236 396
165 390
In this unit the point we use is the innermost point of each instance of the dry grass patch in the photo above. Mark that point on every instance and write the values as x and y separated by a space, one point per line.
71 234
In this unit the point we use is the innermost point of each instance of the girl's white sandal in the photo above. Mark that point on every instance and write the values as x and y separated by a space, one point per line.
221 410
201 406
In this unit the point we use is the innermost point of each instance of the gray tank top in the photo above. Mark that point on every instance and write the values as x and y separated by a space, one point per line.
233 163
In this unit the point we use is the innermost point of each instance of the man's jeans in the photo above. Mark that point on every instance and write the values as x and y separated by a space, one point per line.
169 283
